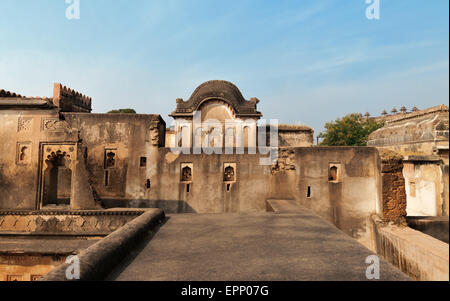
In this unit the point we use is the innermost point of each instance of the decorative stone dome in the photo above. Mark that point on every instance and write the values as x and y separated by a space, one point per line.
215 90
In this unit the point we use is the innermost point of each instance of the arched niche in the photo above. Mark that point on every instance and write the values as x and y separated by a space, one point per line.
217 110
57 176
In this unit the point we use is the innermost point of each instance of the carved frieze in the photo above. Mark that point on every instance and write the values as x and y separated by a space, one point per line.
54 125
24 124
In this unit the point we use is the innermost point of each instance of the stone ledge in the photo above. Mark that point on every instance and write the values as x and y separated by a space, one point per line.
283 206
18 234
423 158
75 212
97 261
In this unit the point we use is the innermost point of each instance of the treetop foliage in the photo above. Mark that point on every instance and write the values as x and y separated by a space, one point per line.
122 111
351 130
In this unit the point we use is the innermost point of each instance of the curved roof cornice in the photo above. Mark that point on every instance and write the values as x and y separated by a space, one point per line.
217 90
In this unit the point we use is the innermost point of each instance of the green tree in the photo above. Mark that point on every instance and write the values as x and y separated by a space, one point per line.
122 111
351 130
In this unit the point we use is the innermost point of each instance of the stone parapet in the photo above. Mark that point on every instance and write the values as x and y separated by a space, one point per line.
97 261
69 100
418 255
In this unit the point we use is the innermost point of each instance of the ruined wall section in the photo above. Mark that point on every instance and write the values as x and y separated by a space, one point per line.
290 135
295 135
393 187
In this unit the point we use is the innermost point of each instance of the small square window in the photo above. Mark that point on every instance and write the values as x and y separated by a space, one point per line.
143 162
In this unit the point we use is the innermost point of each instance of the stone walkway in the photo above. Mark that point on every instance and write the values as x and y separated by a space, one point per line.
249 247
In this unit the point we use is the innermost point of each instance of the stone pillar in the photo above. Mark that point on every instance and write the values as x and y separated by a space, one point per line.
393 187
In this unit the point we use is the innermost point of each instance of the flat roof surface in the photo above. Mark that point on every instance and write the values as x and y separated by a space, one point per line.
249 247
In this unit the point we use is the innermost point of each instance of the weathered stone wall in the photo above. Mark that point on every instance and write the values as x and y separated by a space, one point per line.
25 267
18 177
426 186
291 135
347 202
295 136
393 187
445 189
28 138
127 166
129 142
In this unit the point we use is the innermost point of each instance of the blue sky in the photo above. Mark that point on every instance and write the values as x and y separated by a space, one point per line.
308 61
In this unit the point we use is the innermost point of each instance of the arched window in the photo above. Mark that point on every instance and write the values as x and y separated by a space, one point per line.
334 172
228 174
186 174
